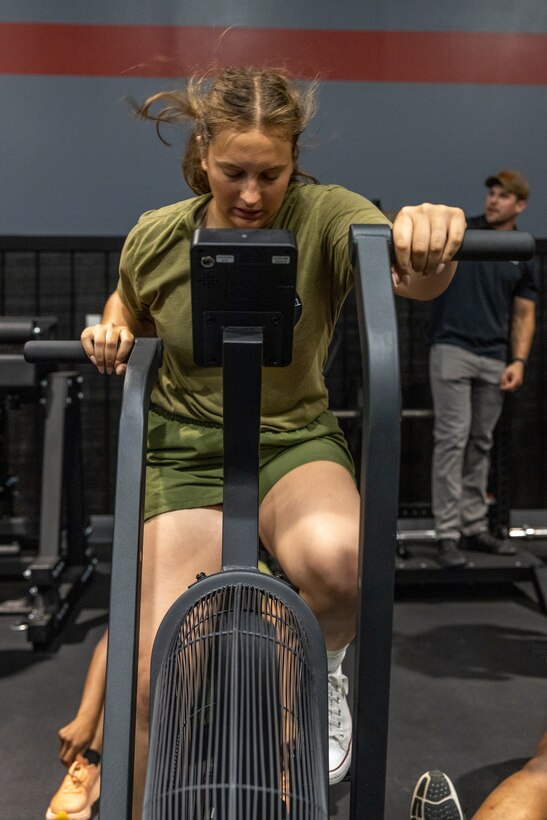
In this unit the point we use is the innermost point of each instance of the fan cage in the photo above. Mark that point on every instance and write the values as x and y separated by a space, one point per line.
236 729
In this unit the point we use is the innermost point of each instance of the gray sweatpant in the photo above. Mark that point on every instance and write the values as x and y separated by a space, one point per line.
467 403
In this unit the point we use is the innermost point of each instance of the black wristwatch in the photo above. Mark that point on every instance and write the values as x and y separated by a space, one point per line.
519 359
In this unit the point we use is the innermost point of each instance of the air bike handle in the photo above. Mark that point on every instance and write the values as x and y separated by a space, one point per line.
493 246
70 351
497 245
144 359
55 351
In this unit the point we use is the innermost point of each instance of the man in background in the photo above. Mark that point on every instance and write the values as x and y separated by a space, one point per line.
481 333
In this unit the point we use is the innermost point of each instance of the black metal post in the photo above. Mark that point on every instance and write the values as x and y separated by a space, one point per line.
51 496
121 672
242 382
379 494
78 552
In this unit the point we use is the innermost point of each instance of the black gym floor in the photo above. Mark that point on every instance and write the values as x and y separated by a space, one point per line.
468 693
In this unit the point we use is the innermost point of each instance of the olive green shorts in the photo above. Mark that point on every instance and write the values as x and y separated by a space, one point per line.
184 459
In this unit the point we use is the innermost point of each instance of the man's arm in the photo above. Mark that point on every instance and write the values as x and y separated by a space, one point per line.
523 325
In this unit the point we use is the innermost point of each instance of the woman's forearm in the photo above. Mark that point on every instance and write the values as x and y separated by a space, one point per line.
115 312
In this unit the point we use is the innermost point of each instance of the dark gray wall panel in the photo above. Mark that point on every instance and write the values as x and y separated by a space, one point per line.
74 160
425 15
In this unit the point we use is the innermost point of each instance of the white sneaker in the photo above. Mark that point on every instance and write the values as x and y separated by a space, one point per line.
339 727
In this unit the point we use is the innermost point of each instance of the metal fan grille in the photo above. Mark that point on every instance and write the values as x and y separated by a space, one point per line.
235 731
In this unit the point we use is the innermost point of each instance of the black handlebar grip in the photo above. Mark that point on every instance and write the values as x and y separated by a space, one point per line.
494 245
55 351
17 330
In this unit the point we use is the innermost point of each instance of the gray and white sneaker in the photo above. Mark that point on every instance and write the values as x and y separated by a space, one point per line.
339 727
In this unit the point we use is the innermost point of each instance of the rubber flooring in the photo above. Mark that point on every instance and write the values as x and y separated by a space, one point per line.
467 694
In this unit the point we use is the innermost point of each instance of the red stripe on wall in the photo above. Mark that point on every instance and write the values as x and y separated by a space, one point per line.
366 56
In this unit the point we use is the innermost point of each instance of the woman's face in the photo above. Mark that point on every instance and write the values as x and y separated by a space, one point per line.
248 173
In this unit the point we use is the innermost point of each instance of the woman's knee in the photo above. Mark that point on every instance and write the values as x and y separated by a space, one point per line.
333 566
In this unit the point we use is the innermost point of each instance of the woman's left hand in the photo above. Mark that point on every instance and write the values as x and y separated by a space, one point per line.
425 238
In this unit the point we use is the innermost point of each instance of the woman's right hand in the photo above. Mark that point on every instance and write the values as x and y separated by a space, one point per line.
108 346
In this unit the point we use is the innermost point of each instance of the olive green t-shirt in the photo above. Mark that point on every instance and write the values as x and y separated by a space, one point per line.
155 283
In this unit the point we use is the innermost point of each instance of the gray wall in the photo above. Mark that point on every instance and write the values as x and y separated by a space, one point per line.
74 162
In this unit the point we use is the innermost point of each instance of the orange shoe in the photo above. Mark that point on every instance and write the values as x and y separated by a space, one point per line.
78 792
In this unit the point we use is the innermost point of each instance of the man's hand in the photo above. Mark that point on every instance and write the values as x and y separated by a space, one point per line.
512 377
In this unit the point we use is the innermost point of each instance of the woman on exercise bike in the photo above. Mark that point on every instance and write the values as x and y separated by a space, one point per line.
242 163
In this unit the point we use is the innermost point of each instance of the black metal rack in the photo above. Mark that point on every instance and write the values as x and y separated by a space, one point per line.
52 554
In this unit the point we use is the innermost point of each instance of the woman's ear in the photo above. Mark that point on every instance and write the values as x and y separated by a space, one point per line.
202 153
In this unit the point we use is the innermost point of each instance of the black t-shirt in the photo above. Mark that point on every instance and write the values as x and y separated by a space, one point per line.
474 312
